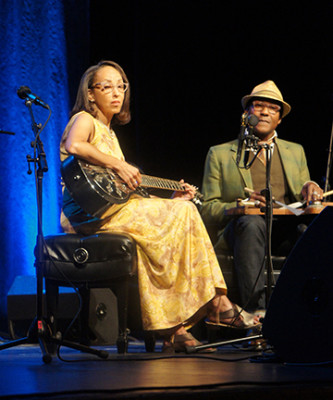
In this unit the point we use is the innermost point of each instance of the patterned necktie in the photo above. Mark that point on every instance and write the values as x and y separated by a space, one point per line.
262 153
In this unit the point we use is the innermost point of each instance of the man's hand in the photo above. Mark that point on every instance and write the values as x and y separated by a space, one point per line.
256 197
312 192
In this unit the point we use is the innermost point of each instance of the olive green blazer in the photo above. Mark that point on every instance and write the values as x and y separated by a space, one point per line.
224 181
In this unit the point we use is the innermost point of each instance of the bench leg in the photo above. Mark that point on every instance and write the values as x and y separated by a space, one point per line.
121 290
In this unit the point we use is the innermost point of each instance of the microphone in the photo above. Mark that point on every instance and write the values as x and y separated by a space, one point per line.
241 136
7 132
25 93
250 140
253 121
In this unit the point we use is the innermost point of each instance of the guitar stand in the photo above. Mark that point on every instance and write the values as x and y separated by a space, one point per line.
39 326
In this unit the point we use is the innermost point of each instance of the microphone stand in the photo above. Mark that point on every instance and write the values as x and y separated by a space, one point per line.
329 164
252 142
267 192
43 335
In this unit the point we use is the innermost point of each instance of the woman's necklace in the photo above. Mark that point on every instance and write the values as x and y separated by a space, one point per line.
112 134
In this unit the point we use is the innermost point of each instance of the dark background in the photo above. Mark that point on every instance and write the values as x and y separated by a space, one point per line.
190 63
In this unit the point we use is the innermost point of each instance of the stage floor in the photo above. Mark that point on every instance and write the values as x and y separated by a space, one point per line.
230 373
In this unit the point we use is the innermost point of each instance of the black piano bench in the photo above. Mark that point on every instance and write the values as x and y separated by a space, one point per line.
102 260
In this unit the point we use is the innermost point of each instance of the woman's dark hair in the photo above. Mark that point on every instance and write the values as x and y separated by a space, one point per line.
82 102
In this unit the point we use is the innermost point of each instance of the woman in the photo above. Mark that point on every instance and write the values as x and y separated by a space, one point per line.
179 277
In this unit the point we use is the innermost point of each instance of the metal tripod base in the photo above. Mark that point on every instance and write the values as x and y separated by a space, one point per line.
45 342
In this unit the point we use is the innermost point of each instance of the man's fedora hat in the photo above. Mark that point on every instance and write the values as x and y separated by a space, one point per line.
267 90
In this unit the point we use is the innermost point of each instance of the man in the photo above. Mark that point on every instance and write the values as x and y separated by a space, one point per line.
225 181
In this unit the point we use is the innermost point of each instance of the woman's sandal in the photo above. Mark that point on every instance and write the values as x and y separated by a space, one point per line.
168 347
177 344
236 312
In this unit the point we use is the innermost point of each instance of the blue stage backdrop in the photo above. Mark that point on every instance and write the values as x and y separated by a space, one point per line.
33 54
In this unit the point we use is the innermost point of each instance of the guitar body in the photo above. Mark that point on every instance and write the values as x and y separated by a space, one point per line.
96 188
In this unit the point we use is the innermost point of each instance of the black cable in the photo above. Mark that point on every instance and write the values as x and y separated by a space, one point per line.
133 357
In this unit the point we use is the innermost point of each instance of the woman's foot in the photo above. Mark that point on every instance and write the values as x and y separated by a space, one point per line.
180 340
222 312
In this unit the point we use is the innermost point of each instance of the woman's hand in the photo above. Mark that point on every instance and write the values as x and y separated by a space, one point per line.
128 173
188 194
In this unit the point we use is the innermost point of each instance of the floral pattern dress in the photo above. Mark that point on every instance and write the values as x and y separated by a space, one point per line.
178 273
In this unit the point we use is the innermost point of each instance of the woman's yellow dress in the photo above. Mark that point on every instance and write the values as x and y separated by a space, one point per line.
178 272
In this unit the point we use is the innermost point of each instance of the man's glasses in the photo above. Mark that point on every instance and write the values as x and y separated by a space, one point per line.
107 87
261 105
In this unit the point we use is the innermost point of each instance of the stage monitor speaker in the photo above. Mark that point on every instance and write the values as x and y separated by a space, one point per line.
298 321
102 319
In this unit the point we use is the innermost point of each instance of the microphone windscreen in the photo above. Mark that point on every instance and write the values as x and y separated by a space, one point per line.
253 120
23 91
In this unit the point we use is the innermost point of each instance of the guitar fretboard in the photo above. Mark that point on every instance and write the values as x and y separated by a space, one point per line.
160 183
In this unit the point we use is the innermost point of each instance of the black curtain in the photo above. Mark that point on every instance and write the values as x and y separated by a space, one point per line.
191 61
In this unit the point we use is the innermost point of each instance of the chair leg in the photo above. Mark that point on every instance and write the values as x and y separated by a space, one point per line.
150 341
121 290
52 300
84 330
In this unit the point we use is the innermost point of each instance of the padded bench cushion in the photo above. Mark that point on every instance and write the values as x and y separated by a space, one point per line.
98 257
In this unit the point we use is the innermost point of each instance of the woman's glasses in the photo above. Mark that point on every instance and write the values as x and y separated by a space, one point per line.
107 87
